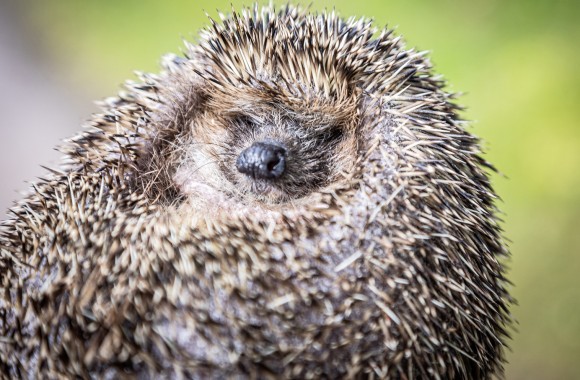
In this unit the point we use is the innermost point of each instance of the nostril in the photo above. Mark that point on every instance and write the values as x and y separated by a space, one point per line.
273 160
273 164
262 160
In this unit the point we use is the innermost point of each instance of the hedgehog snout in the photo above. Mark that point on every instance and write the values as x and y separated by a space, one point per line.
262 160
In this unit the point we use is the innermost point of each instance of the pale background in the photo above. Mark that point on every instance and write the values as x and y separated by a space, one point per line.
517 60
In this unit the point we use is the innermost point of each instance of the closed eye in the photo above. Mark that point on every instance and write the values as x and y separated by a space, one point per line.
332 136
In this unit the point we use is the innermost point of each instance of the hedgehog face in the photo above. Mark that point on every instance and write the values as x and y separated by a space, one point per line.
271 155
278 156
259 143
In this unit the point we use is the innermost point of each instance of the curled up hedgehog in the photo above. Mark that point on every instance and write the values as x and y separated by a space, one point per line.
296 197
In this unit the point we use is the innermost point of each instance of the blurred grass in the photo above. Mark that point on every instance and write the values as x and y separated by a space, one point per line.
519 63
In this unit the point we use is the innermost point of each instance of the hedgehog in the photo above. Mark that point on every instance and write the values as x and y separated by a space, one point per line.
295 196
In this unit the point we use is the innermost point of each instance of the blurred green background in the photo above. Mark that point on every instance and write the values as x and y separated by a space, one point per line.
518 62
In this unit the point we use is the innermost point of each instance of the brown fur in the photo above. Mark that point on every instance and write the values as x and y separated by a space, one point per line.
378 254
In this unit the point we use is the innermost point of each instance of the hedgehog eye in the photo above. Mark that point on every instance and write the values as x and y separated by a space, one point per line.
239 125
332 135
243 121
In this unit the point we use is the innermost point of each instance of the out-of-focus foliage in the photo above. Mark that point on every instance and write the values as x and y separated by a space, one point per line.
518 61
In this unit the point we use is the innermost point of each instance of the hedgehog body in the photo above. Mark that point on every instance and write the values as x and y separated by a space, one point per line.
296 197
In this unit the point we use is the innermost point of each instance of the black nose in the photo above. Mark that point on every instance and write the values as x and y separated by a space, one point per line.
262 160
